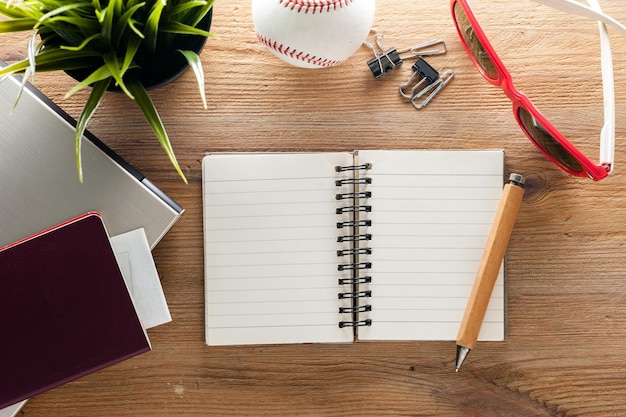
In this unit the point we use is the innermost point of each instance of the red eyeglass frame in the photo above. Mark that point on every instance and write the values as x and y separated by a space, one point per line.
519 99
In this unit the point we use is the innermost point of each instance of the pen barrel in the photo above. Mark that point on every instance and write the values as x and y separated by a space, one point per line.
490 263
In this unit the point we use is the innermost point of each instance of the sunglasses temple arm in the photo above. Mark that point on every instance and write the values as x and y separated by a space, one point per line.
594 12
573 7
607 135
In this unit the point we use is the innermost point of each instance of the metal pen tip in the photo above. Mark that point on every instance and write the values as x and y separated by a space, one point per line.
461 354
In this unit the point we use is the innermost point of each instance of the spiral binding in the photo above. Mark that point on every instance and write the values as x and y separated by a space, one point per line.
354 223
355 323
347 181
354 251
354 294
354 281
354 266
353 167
354 209
359 309
354 238
357 206
352 196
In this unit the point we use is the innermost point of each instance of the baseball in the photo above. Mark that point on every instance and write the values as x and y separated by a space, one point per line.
313 33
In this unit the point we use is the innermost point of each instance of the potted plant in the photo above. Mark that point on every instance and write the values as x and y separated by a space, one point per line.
125 45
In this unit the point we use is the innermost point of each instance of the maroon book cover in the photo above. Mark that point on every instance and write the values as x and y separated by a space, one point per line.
65 310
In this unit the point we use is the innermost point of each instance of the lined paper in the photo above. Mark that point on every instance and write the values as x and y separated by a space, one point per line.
270 248
432 211
270 227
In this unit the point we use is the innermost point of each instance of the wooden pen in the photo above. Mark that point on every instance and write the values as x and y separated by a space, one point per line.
487 274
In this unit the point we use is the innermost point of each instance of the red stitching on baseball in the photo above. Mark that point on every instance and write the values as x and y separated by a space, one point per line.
315 6
299 55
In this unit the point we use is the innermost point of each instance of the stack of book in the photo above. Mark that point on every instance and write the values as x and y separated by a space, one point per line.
79 287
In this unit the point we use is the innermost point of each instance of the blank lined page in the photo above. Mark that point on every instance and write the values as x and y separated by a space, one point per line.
270 248
432 212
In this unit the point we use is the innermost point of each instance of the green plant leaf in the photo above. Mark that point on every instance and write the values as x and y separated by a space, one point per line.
83 44
196 65
97 93
131 50
146 105
17 25
127 20
13 11
184 7
59 10
107 23
100 14
132 24
21 90
177 27
33 50
50 60
195 15
117 7
64 65
76 25
152 23
132 3
100 74
113 64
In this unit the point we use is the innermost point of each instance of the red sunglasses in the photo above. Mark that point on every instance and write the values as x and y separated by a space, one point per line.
536 127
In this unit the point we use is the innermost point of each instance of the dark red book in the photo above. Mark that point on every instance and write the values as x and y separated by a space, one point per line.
65 310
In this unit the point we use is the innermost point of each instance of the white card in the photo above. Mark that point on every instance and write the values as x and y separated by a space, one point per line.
12 410
142 279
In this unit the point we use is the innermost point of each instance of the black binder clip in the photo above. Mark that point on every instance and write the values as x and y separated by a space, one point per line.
385 61
424 81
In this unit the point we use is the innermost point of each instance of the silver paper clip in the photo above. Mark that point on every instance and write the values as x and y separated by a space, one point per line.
385 61
424 81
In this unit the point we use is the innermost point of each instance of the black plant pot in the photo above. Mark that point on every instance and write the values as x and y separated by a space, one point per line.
165 66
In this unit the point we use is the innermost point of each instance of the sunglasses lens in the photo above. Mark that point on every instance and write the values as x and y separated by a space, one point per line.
547 142
473 43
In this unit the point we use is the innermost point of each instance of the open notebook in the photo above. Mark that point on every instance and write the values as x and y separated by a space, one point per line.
336 247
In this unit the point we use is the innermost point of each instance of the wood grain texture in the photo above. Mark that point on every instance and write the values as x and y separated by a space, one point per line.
566 288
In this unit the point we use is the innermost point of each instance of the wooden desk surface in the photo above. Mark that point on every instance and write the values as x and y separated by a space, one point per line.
564 355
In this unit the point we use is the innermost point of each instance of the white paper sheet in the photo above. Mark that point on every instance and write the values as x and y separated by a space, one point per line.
12 410
135 259
270 249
